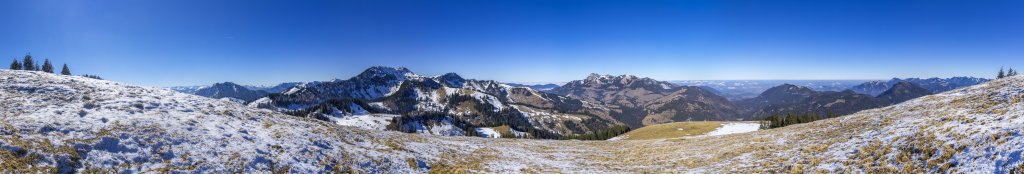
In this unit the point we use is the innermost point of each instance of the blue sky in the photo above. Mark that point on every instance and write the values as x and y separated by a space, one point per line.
189 42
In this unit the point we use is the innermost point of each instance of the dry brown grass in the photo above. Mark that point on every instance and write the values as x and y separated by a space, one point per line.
673 130
505 131
465 164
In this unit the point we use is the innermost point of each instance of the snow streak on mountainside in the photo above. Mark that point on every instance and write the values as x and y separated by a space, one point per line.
447 100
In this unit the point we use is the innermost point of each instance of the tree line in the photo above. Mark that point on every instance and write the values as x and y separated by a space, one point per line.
1005 74
32 65
601 134
778 120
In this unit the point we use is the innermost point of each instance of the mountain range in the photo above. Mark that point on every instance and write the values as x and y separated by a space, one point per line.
792 99
231 90
643 101
736 90
390 98
445 102
935 85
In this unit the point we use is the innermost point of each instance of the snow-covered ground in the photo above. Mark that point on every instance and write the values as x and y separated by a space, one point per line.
64 124
732 128
369 121
617 138
61 124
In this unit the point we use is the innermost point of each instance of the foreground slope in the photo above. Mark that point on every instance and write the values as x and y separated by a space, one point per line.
976 129
64 123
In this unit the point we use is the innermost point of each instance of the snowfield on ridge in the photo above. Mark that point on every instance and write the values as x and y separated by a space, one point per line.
54 123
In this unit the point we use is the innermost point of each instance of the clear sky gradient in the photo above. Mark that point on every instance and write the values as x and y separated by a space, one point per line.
193 42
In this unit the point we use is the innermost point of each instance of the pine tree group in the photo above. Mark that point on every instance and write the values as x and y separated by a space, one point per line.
30 64
778 120
1008 73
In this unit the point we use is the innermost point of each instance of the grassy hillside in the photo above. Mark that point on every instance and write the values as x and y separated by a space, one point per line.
671 130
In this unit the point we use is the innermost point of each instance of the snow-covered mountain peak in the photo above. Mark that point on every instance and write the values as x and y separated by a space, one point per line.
786 91
396 73
597 78
622 81
228 85
452 80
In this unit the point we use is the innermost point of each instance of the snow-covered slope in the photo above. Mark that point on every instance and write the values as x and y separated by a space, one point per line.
74 124
51 123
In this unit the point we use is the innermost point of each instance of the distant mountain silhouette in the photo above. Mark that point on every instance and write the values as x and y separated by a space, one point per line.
802 100
230 90
935 85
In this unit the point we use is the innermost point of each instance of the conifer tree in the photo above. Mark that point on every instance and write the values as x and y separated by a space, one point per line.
1011 73
1001 74
15 65
28 63
65 70
47 67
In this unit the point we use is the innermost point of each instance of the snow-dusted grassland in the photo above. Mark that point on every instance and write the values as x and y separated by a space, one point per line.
56 123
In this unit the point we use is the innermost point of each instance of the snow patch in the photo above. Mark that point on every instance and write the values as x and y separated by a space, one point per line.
369 121
733 128
488 132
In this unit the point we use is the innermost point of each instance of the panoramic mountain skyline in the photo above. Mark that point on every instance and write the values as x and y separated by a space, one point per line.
172 43
511 86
